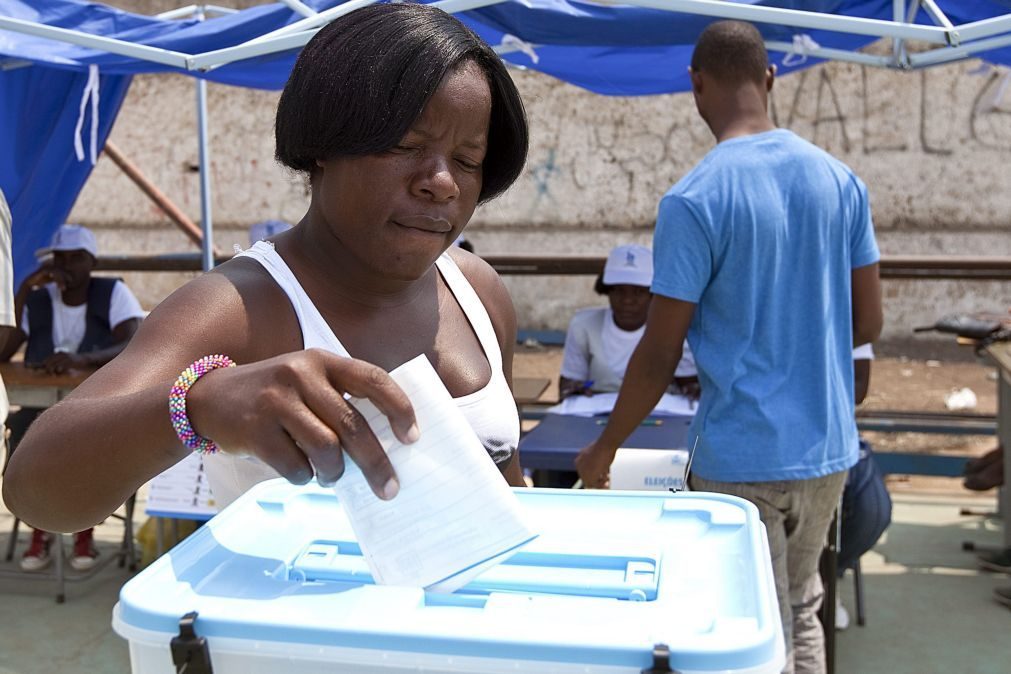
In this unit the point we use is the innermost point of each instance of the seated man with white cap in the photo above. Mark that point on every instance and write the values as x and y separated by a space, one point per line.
69 319
600 340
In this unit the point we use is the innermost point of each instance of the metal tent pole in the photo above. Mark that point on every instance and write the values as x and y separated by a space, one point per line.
899 44
206 221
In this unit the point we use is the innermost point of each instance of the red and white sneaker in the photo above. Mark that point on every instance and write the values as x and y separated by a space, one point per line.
85 554
37 556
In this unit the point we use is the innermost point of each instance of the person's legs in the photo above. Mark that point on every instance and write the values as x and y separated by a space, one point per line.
85 553
797 515
37 555
813 504
773 505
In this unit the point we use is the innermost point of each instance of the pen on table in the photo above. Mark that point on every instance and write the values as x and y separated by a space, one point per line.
645 422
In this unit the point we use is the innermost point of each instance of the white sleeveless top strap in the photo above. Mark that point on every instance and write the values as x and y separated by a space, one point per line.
316 333
473 308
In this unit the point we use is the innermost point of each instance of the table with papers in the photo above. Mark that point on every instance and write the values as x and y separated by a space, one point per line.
33 387
554 443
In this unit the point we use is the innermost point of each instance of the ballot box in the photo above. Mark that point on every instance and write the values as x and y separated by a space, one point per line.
615 583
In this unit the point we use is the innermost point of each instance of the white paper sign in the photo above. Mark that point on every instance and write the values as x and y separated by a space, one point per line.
182 491
649 469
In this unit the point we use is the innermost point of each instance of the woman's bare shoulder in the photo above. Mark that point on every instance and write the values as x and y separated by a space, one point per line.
479 273
237 307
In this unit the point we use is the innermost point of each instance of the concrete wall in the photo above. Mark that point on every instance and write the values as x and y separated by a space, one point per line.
933 146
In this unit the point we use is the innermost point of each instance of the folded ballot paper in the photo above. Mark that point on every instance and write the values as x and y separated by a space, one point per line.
454 516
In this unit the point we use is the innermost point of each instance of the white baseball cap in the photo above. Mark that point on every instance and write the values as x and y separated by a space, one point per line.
71 237
629 265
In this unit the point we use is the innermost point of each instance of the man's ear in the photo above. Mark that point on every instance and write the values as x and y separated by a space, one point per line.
696 78
770 77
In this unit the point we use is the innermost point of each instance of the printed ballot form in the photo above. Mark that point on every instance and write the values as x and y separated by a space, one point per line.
454 515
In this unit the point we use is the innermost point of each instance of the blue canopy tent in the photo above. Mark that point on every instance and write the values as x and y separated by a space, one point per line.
65 65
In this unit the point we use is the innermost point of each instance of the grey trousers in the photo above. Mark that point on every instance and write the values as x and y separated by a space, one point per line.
797 515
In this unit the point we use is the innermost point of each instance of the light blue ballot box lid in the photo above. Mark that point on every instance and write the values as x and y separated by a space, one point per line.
611 575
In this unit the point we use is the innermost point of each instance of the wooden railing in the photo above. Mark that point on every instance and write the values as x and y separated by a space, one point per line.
925 267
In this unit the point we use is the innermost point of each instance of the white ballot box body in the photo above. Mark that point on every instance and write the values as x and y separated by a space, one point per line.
615 583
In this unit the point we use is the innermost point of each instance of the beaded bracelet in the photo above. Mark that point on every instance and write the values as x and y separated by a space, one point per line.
177 402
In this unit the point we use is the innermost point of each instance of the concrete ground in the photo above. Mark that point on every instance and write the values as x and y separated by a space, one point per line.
928 608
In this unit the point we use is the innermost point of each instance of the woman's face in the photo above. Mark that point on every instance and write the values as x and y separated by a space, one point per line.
398 210
629 304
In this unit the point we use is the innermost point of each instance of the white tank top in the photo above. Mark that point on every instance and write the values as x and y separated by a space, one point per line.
490 410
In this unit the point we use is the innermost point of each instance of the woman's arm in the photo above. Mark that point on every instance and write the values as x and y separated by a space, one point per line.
281 404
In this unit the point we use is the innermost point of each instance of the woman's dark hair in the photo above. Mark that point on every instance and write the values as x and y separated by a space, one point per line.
362 81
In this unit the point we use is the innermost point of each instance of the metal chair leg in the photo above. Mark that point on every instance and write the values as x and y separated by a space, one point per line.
13 540
61 594
858 586
128 551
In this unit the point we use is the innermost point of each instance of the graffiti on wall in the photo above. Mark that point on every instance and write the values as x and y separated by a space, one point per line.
623 153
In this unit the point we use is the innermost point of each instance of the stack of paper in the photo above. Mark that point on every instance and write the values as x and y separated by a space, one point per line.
454 515
602 403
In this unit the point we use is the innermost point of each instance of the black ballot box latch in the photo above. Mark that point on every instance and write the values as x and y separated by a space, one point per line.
661 661
190 653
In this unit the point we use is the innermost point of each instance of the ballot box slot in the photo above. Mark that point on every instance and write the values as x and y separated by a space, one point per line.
611 575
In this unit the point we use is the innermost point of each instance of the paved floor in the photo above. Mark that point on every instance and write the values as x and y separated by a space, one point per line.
928 608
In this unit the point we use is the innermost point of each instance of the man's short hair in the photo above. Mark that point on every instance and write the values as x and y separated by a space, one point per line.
732 52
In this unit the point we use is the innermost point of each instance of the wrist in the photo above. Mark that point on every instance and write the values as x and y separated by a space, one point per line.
605 448
182 404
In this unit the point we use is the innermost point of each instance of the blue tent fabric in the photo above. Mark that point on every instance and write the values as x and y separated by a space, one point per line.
39 170
612 50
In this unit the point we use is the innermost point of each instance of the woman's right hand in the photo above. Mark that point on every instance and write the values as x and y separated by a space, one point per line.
290 412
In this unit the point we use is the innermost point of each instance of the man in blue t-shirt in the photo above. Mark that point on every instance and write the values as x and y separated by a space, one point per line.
764 256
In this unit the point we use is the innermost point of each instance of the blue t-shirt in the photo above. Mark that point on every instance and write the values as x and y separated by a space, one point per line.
762 236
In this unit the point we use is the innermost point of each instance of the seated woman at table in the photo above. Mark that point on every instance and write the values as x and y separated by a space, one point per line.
600 340
69 319
403 121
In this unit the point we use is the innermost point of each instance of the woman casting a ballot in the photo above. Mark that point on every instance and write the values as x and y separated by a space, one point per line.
403 121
